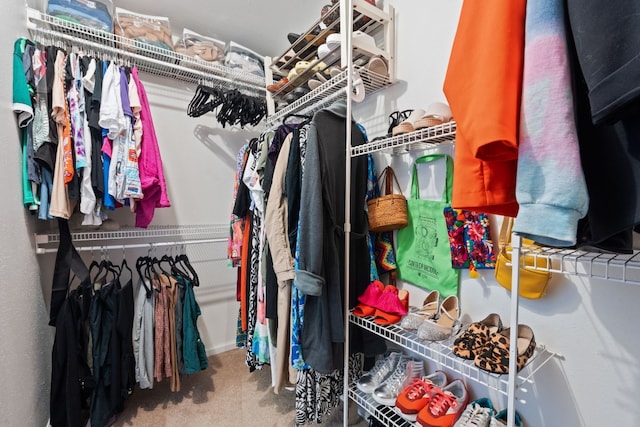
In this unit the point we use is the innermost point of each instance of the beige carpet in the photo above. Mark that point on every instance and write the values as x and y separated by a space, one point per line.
226 394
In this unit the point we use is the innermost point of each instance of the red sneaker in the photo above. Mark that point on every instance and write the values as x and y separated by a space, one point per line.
445 406
416 396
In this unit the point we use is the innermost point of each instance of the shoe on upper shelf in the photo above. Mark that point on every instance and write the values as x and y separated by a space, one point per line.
476 336
447 323
360 41
408 368
406 125
382 369
429 310
494 357
435 114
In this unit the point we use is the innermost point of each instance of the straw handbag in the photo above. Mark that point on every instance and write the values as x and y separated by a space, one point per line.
533 283
389 211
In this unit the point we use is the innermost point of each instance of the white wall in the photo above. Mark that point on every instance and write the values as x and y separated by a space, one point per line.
24 334
589 323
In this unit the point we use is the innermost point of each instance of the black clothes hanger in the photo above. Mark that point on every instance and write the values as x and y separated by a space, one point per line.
234 106
168 260
142 262
125 266
184 260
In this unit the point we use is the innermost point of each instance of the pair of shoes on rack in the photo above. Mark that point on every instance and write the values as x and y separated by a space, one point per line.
480 413
387 304
435 114
322 76
429 310
389 376
416 395
442 325
443 405
487 343
395 119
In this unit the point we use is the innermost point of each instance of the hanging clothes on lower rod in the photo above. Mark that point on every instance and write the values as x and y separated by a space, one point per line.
129 332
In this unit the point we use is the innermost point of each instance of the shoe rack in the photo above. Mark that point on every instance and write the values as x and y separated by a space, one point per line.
370 20
440 353
51 30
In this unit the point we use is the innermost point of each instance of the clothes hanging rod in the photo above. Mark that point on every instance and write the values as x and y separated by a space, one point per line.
150 246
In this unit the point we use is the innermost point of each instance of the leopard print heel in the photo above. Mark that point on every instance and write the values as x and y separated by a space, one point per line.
495 356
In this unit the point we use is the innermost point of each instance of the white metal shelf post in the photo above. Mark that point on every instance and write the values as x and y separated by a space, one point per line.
516 244
346 24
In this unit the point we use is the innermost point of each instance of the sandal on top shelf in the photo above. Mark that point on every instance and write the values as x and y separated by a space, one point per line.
429 310
369 299
391 306
445 325
407 125
435 114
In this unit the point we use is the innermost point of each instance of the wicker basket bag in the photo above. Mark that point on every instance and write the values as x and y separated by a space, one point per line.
389 211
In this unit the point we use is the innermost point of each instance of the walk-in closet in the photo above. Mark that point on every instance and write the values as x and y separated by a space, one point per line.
196 231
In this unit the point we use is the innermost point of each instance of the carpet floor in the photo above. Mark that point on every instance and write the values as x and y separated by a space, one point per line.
225 394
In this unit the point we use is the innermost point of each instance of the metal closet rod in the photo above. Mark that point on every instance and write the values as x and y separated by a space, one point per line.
149 246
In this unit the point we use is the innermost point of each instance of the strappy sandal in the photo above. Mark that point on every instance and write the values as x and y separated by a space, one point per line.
445 325
412 321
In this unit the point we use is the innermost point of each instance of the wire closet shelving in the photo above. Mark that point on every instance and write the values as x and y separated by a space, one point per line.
151 59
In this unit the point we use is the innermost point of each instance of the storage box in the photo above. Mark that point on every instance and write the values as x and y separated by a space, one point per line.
96 14
200 47
151 30
238 56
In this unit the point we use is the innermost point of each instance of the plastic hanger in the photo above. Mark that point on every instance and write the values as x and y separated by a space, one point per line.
142 262
184 259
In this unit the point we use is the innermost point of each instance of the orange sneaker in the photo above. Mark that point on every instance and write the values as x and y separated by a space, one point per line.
445 406
416 396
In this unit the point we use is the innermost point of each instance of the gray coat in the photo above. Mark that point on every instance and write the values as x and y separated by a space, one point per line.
320 273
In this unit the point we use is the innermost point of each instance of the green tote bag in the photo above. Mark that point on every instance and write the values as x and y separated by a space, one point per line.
423 252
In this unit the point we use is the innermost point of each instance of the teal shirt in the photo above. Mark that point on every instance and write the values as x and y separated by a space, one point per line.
193 351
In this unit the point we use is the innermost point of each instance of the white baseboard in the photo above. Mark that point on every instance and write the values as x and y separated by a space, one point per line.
221 348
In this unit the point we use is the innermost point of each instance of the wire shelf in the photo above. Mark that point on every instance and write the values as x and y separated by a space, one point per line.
427 138
367 18
442 354
329 92
152 59
152 236
624 268
385 414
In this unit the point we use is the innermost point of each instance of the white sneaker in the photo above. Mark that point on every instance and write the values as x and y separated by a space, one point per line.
477 414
